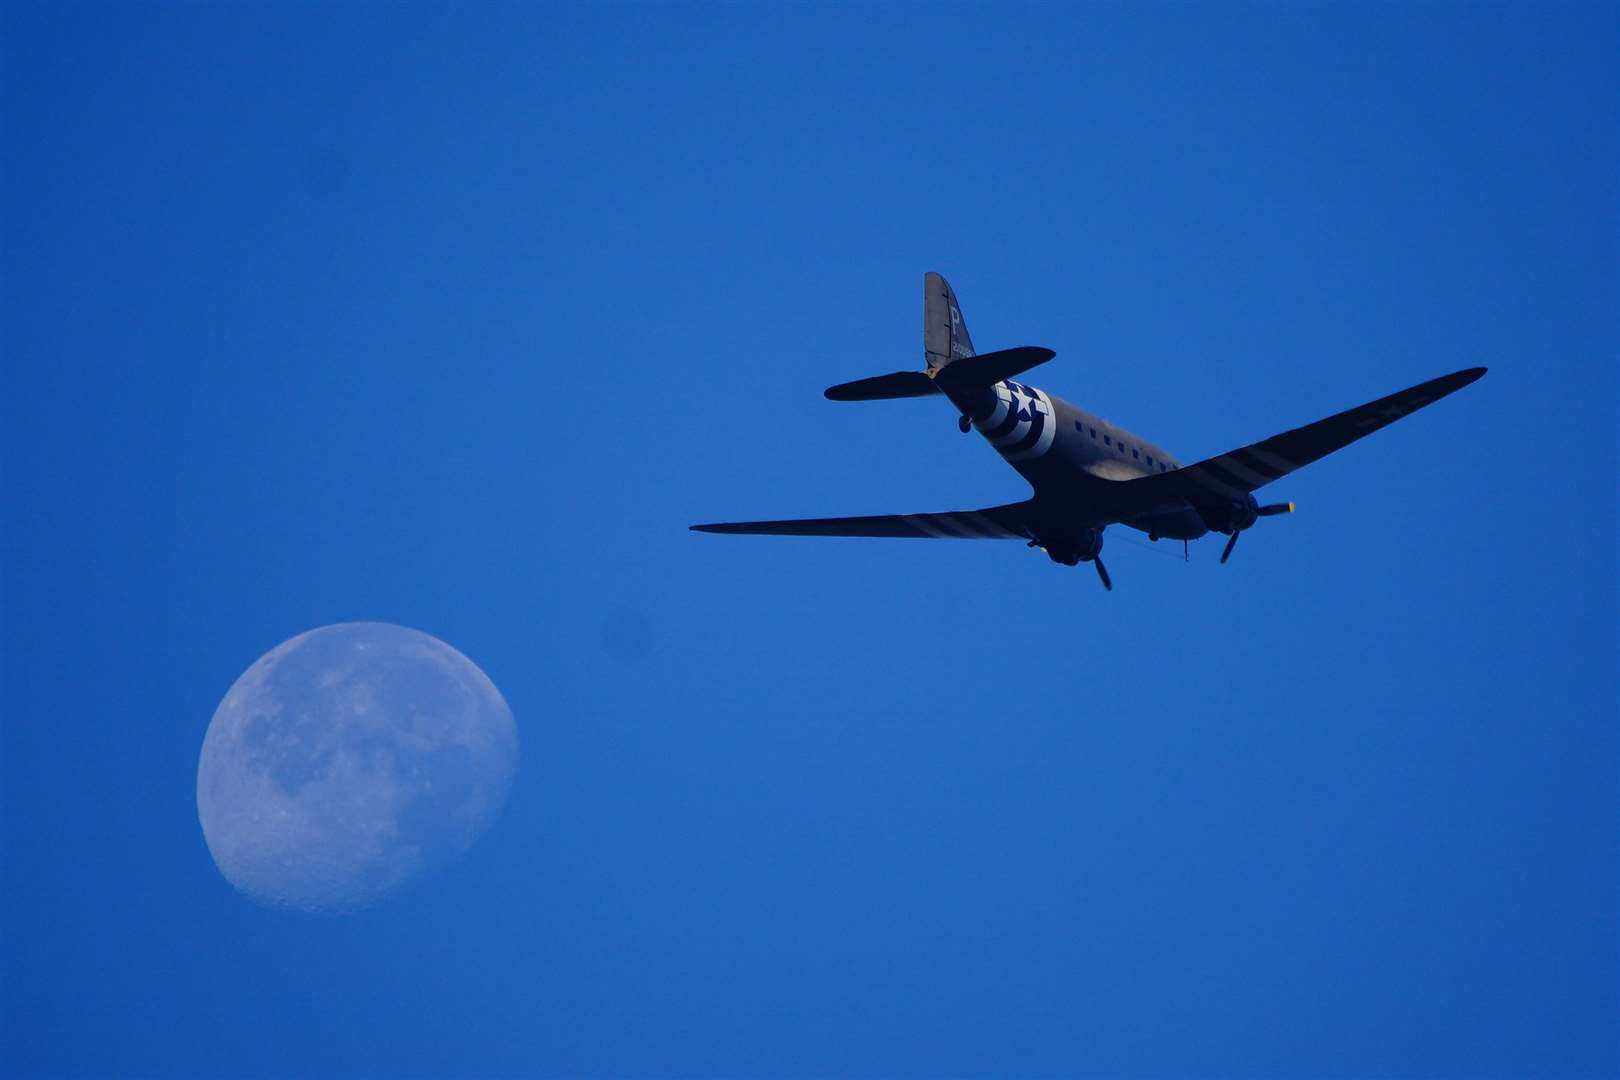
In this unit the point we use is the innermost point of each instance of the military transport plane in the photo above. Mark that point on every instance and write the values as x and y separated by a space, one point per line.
1086 473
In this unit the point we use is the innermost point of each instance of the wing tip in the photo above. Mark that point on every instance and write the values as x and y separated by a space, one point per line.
1450 384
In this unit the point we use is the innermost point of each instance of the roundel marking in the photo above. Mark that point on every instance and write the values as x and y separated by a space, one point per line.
1023 425
1042 440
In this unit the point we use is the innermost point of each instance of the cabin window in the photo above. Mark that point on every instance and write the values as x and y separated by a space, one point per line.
1135 455
1093 433
1107 441
1150 459
1161 466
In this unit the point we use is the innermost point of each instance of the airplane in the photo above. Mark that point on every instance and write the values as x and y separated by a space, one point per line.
1086 474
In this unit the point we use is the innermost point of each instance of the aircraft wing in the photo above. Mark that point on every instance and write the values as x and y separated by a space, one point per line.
1238 472
1010 522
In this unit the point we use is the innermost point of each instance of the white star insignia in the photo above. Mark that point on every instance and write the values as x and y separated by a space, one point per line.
1021 401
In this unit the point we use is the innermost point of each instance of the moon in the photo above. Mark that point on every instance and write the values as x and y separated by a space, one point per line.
349 761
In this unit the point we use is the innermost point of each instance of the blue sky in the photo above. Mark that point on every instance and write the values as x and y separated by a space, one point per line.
456 317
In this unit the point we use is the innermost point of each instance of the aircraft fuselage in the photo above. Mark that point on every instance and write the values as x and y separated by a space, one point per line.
1058 446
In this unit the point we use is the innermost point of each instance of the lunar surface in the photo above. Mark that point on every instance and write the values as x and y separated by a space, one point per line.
349 761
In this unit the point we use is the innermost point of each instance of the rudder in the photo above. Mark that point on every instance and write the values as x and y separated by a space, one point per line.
945 332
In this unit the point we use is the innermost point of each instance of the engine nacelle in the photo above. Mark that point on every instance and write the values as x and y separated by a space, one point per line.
1230 517
1078 547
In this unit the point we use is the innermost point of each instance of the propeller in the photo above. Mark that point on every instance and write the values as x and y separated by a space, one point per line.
1259 512
1102 572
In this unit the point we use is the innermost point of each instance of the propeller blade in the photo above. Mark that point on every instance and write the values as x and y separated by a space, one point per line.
1230 544
1275 508
1102 572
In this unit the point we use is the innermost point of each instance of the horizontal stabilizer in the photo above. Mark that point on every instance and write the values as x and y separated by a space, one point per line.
901 384
987 369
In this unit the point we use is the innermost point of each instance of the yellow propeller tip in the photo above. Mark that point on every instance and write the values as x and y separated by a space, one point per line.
1290 508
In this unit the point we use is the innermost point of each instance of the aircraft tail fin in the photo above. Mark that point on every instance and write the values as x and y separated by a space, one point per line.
945 342
945 332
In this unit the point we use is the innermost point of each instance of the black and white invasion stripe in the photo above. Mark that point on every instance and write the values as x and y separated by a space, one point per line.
1234 475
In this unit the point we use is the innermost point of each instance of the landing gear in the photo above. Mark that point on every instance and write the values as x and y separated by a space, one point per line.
963 423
